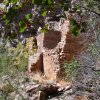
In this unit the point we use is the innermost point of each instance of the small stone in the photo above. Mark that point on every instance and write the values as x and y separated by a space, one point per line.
61 89
58 84
81 98
68 87
32 88
13 94
69 92
18 97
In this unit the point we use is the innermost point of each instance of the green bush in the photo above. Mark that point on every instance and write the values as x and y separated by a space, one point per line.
71 69
13 64
8 89
13 59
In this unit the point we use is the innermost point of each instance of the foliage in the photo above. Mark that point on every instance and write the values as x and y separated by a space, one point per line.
95 50
14 8
13 58
71 68
74 27
44 29
7 89
13 66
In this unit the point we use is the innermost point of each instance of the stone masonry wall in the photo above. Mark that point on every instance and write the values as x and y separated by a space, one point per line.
56 46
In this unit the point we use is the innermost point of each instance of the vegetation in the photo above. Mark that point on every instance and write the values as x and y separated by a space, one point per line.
10 58
14 58
71 69
20 16
13 66
18 21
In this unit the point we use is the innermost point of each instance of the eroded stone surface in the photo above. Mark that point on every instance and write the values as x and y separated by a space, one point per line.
36 62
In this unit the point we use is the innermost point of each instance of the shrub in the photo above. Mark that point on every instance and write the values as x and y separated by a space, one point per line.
71 69
13 64
13 59
8 89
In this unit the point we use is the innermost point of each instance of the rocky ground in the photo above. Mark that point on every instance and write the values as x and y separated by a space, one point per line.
85 86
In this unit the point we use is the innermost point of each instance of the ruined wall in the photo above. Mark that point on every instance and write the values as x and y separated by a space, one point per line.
56 46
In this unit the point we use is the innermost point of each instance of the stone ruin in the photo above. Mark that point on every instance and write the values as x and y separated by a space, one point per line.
55 47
